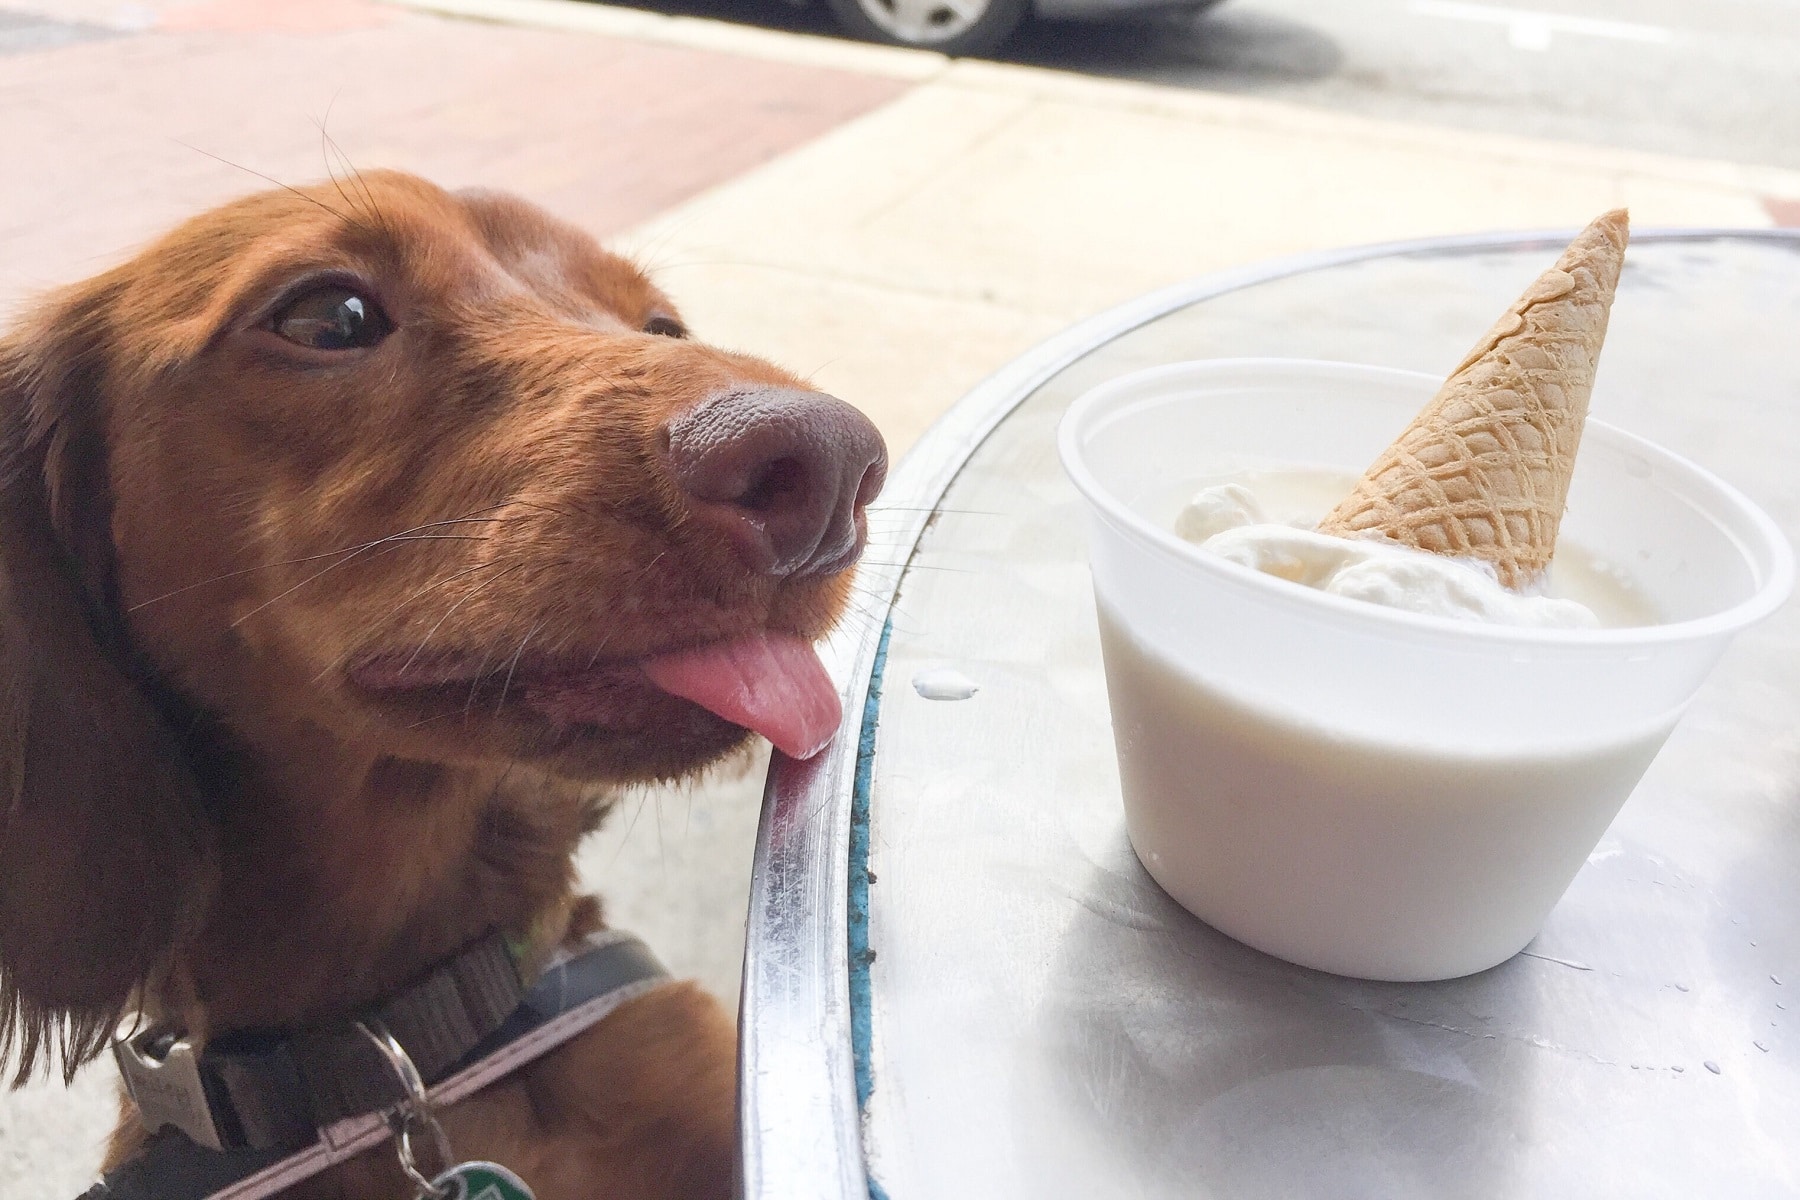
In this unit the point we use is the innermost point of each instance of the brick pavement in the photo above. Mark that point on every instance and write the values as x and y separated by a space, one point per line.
107 141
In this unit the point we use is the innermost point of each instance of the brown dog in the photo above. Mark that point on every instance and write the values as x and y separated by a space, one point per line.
353 543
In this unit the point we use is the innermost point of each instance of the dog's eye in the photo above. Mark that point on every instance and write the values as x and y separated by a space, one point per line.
332 318
665 326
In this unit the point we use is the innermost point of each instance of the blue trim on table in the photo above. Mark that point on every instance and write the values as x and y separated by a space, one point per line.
860 953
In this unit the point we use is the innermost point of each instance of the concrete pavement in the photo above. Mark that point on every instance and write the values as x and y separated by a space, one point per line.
892 223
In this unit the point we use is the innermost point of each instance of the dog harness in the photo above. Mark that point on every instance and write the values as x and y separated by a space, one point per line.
251 1114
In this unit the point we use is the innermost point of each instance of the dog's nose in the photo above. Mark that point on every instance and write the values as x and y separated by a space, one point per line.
782 473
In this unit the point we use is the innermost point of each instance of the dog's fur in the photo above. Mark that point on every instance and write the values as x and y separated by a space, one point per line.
204 528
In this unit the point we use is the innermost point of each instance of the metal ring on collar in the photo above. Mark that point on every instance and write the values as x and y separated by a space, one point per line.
416 1107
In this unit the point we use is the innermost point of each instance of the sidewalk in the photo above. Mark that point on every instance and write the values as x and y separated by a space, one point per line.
892 223
908 253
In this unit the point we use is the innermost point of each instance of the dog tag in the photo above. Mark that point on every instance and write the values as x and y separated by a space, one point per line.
481 1181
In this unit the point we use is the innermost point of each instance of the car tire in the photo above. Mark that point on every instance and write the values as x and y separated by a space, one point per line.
959 28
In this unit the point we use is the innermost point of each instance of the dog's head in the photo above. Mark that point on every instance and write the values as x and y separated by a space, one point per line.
383 466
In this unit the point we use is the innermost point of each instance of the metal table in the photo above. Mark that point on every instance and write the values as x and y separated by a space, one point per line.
960 983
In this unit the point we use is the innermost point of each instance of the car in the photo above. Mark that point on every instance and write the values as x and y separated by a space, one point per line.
969 27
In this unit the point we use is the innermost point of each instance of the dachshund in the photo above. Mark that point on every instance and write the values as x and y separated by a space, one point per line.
358 542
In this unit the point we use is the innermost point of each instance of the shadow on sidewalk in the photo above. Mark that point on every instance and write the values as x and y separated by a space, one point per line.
1229 49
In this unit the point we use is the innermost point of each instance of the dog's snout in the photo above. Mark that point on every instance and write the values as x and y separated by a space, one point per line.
783 474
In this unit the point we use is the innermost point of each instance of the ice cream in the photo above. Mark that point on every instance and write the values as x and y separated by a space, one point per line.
1228 520
1459 516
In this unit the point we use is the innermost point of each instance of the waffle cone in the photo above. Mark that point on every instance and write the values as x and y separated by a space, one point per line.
1483 471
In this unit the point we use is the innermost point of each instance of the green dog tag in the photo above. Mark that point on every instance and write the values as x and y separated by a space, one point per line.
482 1181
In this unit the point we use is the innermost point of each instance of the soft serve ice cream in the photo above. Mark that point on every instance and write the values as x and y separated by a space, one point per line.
1459 516
1229 520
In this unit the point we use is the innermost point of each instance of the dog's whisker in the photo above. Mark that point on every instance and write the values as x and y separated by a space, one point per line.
643 798
559 645
391 539
448 613
326 147
868 616
683 264
552 509
384 546
475 684
405 534
286 187
290 562
344 658
909 566
424 721
329 146
506 685
878 509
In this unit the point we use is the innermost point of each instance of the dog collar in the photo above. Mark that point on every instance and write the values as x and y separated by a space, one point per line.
251 1115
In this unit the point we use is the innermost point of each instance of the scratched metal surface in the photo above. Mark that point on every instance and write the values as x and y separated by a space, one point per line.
1048 1024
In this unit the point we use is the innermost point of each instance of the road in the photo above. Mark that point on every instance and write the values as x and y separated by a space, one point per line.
1714 80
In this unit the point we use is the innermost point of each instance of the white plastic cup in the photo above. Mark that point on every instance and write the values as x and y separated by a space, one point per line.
1351 787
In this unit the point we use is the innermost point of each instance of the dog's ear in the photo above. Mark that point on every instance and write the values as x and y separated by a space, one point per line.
105 848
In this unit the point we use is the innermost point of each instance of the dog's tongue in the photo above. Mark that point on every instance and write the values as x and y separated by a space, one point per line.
772 684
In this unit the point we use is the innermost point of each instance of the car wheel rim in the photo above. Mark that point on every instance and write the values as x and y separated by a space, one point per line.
924 22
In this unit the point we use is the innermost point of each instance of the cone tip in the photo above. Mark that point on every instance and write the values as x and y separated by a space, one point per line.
1614 225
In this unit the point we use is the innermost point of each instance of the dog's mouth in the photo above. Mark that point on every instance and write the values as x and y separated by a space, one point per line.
768 683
